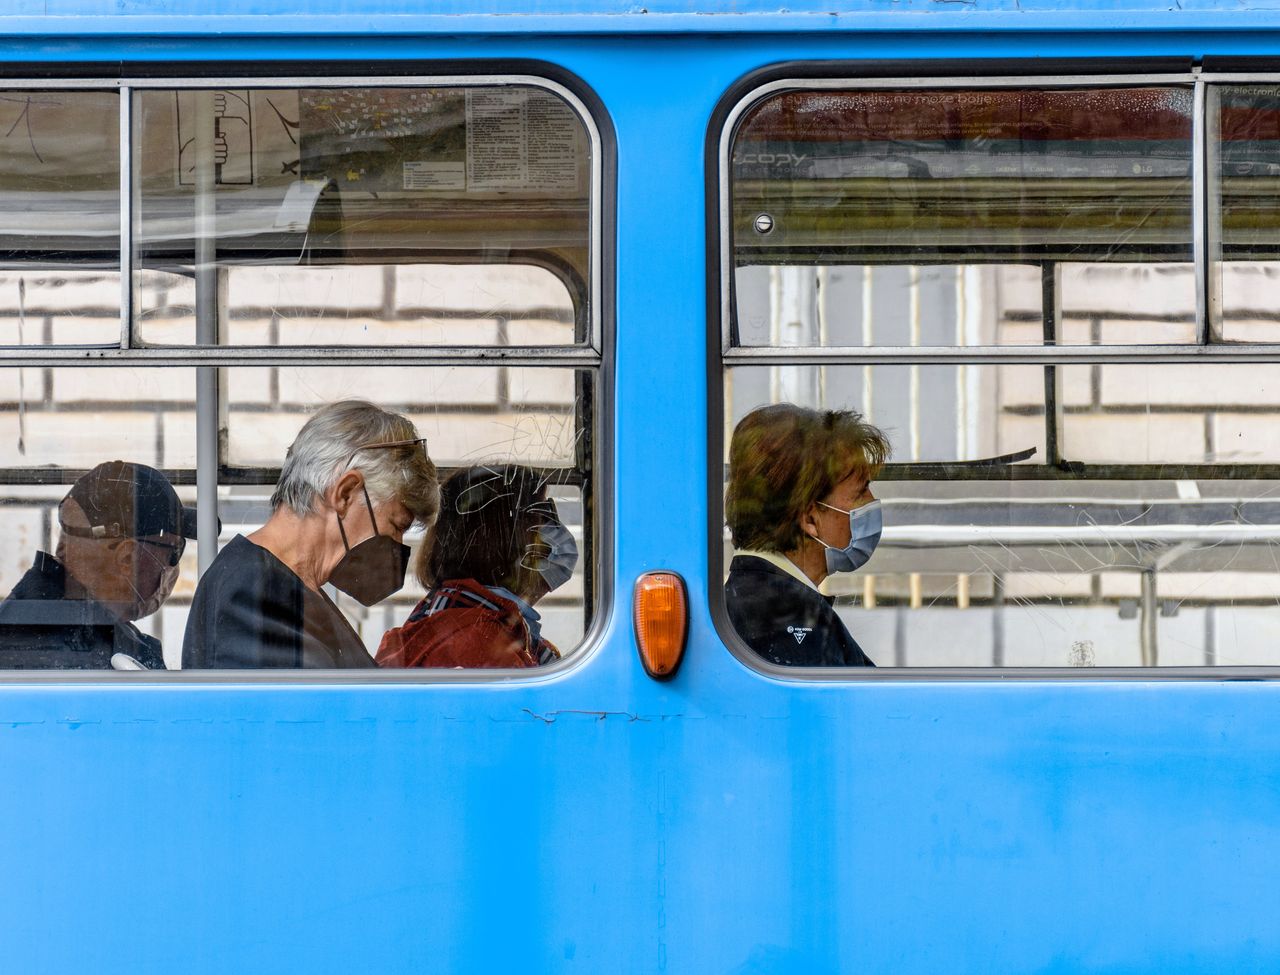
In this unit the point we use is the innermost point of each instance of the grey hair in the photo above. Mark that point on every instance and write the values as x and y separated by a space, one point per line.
335 440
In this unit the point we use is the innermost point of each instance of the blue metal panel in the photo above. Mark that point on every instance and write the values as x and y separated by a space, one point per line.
623 17
599 821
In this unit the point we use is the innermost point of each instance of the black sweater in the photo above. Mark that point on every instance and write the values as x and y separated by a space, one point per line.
785 621
251 610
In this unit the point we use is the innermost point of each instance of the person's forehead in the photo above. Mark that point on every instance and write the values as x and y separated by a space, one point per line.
854 484
395 508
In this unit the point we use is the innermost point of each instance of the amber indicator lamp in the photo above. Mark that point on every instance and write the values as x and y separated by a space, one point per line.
661 617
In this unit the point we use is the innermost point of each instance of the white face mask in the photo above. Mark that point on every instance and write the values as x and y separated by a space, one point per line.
556 567
865 526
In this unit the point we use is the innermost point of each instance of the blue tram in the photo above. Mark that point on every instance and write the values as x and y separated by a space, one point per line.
1036 246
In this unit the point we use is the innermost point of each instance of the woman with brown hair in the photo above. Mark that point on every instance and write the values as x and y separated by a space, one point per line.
799 507
497 548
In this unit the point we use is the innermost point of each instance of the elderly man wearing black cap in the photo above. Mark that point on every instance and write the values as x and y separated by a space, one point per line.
123 532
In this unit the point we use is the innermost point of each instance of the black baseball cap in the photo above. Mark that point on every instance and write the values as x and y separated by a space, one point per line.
124 500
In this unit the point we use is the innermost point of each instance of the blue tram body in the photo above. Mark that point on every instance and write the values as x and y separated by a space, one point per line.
594 819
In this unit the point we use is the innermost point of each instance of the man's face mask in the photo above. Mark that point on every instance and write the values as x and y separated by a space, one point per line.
373 569
155 563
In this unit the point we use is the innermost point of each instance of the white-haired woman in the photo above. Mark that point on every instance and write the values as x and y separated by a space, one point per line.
354 481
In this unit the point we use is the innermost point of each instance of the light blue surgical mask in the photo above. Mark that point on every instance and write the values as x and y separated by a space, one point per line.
556 567
865 525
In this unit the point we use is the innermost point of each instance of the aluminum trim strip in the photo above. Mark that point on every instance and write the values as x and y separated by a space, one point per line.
999 354
126 217
111 355
1199 191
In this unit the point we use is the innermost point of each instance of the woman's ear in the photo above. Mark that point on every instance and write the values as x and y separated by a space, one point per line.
345 491
809 521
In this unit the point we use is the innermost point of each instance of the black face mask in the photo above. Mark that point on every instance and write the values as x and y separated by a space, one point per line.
375 568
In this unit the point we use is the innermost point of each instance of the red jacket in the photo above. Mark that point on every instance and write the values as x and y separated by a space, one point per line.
461 623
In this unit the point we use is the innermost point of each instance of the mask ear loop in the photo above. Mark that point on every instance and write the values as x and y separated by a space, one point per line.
369 504
372 518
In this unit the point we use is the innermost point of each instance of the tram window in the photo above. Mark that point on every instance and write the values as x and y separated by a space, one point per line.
463 206
1038 511
59 217
417 257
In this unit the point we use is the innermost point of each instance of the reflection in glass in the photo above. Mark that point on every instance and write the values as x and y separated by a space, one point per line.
1247 149
952 217
932 414
476 414
59 217
362 216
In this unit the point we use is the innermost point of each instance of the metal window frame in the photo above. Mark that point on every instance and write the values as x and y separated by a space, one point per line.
596 355
724 354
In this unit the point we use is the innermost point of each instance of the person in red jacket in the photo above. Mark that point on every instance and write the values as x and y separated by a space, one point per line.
497 548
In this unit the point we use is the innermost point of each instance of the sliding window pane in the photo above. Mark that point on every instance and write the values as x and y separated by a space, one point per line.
1021 566
513 422
378 216
59 217
64 593
954 217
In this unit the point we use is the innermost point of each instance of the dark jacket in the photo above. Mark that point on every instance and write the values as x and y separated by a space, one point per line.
41 627
462 623
785 621
251 610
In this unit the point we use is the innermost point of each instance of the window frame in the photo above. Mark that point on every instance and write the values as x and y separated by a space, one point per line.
594 356
723 354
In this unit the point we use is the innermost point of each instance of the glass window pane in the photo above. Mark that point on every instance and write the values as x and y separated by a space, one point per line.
1172 414
1045 574
979 567
58 426
73 418
379 216
59 217
519 439
932 414
522 436
954 217
1247 149
469 415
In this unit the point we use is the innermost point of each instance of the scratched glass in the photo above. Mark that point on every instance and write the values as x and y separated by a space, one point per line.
1245 150
362 216
963 217
563 613
1131 550
59 217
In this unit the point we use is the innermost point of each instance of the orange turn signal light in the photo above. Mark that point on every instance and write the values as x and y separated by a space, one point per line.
661 617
